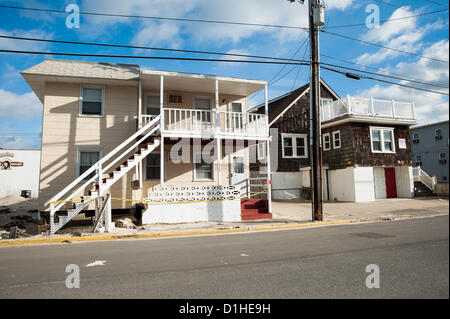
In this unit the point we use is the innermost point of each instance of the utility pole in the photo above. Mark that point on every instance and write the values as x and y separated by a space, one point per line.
315 20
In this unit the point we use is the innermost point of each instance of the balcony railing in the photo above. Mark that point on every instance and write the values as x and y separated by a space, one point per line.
368 107
194 121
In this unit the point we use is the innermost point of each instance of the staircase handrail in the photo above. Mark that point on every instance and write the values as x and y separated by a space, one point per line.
103 160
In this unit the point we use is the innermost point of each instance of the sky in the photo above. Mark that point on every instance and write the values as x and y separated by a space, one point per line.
425 36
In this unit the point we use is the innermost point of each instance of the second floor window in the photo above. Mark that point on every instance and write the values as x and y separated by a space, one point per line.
204 105
91 101
336 139
326 142
438 134
294 145
418 160
382 140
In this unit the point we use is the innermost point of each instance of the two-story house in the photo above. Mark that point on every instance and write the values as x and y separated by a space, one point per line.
429 145
364 142
178 142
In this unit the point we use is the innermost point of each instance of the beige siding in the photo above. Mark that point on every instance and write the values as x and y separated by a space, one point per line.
64 132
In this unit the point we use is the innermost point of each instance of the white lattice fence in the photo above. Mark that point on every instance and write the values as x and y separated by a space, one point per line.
171 194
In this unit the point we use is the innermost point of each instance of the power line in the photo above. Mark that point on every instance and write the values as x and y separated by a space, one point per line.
435 2
388 20
397 77
149 57
202 60
384 47
385 81
389 74
299 68
158 18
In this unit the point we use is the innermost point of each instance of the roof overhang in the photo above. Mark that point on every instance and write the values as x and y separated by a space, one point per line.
191 82
37 81
365 119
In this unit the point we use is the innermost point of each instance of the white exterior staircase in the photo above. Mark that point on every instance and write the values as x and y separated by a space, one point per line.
140 144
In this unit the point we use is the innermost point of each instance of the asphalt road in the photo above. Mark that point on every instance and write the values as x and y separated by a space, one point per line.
325 262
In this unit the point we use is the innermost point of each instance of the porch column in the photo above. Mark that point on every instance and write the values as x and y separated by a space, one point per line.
269 179
140 105
218 140
161 105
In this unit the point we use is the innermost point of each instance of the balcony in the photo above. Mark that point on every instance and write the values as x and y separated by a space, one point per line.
195 123
360 109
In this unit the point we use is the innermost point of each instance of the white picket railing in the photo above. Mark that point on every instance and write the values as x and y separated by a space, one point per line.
211 121
429 181
368 107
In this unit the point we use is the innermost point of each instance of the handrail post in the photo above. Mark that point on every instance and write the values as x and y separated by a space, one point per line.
372 110
349 105
161 103
99 178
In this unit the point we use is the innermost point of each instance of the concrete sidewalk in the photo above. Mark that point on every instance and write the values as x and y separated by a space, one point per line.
286 214
299 210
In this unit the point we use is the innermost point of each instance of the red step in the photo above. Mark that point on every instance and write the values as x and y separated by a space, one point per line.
253 209
257 216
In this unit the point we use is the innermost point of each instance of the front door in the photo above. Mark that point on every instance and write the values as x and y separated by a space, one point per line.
238 171
391 187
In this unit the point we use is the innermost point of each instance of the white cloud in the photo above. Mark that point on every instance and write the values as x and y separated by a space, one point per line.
18 106
402 35
248 11
12 44
430 107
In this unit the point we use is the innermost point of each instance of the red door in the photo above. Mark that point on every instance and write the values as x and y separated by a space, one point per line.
391 188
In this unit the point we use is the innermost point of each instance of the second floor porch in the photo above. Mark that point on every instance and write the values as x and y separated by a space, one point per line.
197 105
360 109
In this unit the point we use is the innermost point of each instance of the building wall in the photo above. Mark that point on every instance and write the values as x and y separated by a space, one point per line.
380 182
364 184
21 175
404 181
64 132
356 147
429 148
286 185
342 184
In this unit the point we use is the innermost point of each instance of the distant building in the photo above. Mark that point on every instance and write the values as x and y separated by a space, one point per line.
429 146
19 170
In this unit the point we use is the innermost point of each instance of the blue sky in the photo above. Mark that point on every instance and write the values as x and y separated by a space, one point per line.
21 111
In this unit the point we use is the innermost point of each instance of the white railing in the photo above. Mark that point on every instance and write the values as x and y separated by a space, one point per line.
429 181
147 119
367 107
211 121
102 166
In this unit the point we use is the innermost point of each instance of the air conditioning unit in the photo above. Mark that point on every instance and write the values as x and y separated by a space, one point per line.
416 141
442 161
418 163
438 137
175 99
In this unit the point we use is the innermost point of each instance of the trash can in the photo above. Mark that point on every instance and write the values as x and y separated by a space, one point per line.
25 193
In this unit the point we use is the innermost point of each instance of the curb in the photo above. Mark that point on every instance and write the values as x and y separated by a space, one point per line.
70 239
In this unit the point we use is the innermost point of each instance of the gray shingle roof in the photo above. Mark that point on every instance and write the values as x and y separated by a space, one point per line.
85 69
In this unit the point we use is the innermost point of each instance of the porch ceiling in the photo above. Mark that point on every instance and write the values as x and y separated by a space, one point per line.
189 82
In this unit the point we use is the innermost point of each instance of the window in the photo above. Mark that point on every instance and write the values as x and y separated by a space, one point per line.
153 105
261 149
418 160
416 138
87 158
442 158
326 142
153 166
91 101
324 101
238 165
203 103
382 140
202 170
294 146
336 139
438 134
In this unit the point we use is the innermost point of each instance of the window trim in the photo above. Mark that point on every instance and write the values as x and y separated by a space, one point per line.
329 141
80 100
87 149
294 144
334 140
195 179
381 128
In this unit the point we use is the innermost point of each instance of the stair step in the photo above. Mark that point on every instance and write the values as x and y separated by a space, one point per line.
257 216
254 211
